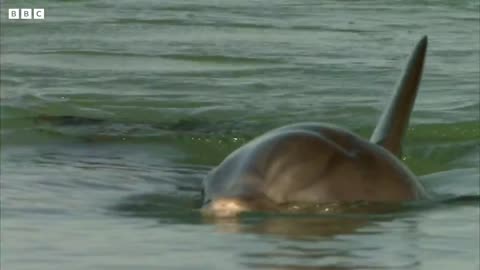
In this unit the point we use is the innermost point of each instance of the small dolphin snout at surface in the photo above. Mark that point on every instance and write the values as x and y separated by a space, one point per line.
314 163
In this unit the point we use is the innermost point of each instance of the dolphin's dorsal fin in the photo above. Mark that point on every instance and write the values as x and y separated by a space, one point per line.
393 123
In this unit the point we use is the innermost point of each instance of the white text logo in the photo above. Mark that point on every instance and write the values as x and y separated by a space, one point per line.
26 13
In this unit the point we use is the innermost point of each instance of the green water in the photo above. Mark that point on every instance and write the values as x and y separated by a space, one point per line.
113 111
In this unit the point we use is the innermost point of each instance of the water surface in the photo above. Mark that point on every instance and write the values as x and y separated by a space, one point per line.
113 111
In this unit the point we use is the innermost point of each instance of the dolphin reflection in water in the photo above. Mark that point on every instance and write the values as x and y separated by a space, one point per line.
315 163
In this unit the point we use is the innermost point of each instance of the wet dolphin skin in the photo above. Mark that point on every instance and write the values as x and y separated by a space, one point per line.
320 163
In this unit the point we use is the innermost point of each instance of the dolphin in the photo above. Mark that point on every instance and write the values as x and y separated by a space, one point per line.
316 163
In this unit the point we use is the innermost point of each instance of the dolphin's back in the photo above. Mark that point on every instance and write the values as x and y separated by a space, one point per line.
393 123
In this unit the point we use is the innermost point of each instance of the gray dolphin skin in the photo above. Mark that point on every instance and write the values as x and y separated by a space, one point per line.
315 163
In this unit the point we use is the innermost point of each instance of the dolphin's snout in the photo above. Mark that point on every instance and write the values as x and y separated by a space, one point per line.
225 207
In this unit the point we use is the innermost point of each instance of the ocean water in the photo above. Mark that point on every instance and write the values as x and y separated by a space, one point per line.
112 111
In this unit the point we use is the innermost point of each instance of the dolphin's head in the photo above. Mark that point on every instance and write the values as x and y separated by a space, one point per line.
226 197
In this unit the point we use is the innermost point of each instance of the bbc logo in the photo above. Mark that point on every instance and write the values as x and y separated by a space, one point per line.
26 13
